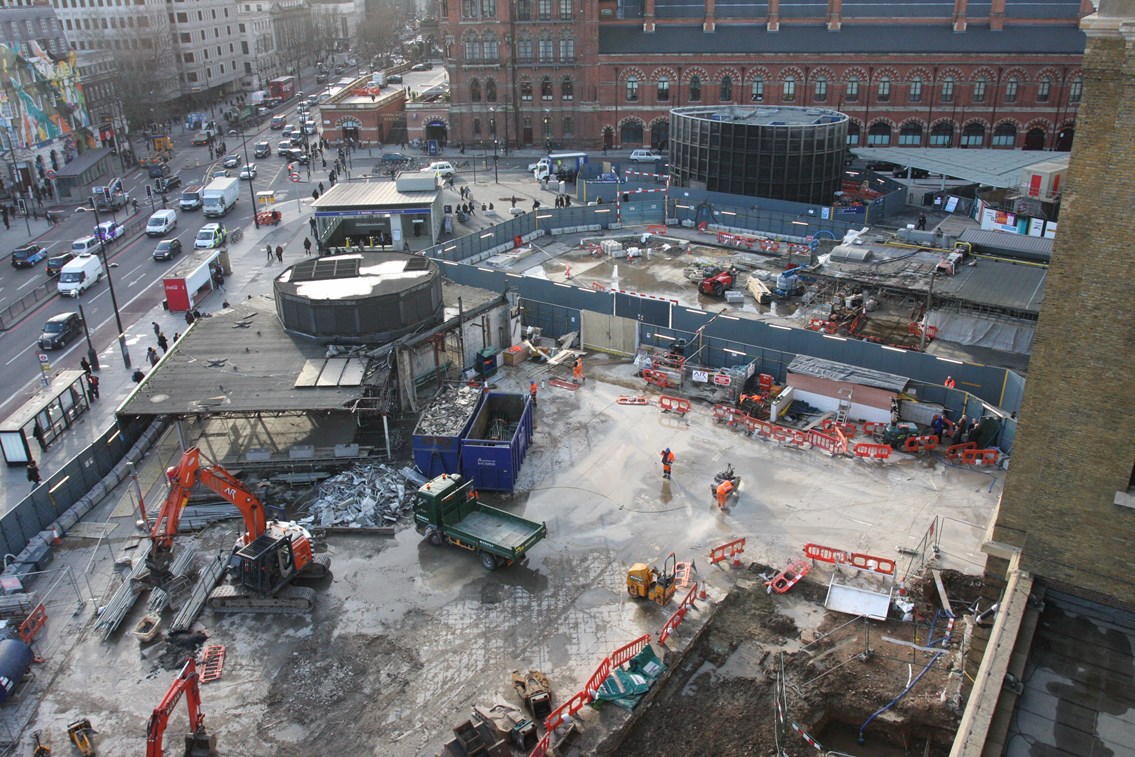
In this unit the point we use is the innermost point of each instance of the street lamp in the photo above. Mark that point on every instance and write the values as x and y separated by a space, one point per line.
92 356
251 191
496 174
110 284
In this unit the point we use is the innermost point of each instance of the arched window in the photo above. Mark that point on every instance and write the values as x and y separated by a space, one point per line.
546 88
631 133
979 90
663 89
758 90
1076 90
879 135
1011 86
523 10
491 48
632 88
726 89
948 89
916 89
474 91
789 89
853 133
695 89
821 94
1005 135
1043 89
491 90
973 135
526 90
910 134
567 89
942 134
472 49
885 89
851 92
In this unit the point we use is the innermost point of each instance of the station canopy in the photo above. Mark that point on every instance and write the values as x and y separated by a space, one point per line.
991 168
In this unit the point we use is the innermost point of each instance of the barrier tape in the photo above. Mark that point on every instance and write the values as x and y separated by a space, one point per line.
804 735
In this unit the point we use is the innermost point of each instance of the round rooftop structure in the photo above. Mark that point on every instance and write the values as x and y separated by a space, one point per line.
779 152
368 297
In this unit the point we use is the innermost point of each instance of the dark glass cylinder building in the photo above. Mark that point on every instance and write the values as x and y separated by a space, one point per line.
778 152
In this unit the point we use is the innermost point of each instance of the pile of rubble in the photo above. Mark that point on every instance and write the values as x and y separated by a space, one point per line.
449 411
365 496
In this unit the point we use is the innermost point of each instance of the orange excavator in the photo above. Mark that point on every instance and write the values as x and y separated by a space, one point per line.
198 743
267 556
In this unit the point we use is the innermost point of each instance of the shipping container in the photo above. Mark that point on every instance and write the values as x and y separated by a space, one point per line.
497 441
434 453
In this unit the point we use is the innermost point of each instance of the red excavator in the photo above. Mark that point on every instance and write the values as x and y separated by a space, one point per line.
718 281
267 556
198 743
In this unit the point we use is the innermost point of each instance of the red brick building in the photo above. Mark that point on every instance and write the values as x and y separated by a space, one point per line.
593 73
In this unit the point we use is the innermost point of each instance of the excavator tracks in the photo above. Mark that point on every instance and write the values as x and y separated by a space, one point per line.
319 568
291 600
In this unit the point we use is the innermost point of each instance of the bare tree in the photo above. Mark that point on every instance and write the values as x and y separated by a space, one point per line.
379 33
146 84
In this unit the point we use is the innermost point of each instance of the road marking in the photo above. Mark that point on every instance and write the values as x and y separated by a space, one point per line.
29 282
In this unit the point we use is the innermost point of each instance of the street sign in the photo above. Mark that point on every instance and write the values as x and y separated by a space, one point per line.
42 357
722 379
50 175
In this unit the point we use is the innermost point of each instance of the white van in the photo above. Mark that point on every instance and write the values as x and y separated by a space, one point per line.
84 246
79 275
161 222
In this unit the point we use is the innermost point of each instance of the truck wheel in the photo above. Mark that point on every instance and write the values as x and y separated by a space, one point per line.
488 561
433 537
718 289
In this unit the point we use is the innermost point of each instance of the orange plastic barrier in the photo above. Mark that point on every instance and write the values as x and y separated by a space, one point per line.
33 624
757 426
673 404
870 428
789 577
849 429
826 554
657 228
830 443
625 400
954 452
797 437
623 655
780 433
658 378
882 565
679 615
724 414
542 746
591 688
980 456
917 444
733 548
873 451
564 712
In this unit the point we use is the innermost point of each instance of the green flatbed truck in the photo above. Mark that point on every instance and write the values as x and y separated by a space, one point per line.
447 510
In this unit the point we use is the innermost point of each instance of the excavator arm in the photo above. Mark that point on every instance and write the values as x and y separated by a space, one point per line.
188 684
182 478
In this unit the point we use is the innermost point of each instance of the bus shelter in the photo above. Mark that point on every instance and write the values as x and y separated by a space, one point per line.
45 417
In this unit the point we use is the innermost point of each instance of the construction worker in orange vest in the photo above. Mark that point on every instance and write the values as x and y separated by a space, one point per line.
532 393
950 383
667 461
724 489
577 371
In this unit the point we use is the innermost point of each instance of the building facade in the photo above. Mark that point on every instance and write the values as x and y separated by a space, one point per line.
592 73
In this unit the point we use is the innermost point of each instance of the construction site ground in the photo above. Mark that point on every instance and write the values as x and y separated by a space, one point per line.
406 637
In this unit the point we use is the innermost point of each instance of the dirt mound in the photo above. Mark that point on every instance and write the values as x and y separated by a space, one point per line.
179 647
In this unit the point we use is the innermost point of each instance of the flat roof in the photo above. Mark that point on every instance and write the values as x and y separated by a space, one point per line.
356 275
80 164
994 168
852 374
992 241
763 115
619 40
371 195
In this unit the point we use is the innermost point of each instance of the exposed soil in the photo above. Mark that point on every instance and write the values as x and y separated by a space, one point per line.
720 700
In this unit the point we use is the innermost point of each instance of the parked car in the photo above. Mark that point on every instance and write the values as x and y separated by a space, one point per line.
645 156
161 223
296 155
396 158
423 66
167 249
443 168
915 173
28 255
231 161
108 231
56 262
211 235
248 172
59 330
262 150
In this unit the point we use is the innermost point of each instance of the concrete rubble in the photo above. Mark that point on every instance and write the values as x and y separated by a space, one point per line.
365 496
447 414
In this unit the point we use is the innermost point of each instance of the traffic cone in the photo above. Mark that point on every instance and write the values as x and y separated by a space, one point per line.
701 591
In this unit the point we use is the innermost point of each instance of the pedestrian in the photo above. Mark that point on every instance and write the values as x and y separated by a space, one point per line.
604 150
315 194
306 246
311 223
268 249
188 319
176 336
921 225
7 225
532 394
157 329
321 185
33 473
152 356
724 489
937 425
667 462
137 376
93 386
577 371
163 343
37 434
280 253
535 204
950 383
86 366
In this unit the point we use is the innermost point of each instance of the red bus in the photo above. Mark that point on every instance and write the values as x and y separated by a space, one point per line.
283 88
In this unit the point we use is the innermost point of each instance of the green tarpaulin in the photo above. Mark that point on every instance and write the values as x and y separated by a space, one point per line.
626 687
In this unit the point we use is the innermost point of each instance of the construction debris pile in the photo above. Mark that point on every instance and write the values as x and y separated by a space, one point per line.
365 496
447 414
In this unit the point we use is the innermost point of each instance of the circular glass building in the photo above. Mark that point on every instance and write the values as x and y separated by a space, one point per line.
778 152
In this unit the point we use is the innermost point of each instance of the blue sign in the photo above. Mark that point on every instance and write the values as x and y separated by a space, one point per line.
433 148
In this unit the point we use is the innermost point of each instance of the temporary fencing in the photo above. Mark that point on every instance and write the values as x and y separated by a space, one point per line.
980 456
833 444
591 688
873 451
625 400
725 414
850 430
624 654
826 554
954 452
924 443
727 550
562 714
882 565
789 577
679 615
673 404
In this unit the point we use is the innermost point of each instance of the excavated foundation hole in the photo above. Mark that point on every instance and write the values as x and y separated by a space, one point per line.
839 732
